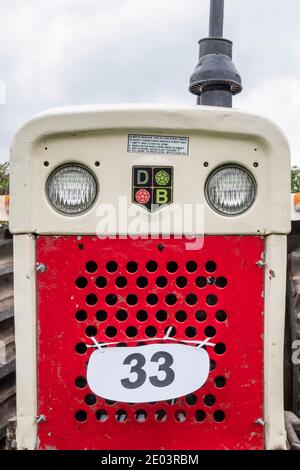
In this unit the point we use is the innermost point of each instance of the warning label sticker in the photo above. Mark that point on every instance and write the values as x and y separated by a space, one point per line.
159 144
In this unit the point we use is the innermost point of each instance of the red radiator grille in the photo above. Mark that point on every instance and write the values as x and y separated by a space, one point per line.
126 291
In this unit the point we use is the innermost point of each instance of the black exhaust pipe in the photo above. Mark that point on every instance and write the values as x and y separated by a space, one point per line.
215 79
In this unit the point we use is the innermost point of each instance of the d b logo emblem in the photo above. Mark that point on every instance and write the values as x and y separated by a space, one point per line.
152 186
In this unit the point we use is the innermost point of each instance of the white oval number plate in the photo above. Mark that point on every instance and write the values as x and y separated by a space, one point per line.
150 373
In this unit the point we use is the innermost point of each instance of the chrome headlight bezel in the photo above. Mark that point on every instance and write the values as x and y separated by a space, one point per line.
71 165
226 167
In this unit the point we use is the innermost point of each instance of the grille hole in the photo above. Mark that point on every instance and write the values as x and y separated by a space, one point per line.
201 316
151 331
211 267
181 282
110 402
200 416
171 299
121 416
201 282
172 267
191 332
162 282
132 267
122 315
221 282
220 349
152 266
191 400
219 416
220 382
152 299
111 331
121 345
161 316
191 266
142 316
80 382
101 315
121 282
90 400
101 416
111 267
172 332
101 282
209 400
131 332
161 416
91 267
210 331
80 246
81 315
91 299
141 416
191 299
81 282
81 348
213 365
91 331
132 299
221 316
81 416
212 300
180 416
111 299
181 316
142 282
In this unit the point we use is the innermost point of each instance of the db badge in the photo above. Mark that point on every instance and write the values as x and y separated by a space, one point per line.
152 187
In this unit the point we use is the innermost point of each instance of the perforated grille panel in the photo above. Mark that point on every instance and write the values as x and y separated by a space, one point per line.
126 291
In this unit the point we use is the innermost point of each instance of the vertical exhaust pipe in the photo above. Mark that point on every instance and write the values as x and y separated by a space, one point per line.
215 79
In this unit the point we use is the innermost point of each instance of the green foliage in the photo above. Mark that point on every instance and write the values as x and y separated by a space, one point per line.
4 178
295 179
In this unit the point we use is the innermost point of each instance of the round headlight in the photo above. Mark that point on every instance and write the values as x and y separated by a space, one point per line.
72 189
230 190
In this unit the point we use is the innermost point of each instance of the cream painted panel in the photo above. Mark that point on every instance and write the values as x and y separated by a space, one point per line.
86 135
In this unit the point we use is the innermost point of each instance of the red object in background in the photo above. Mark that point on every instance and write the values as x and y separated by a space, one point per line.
91 287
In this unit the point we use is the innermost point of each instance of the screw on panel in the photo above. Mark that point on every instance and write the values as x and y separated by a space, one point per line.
41 267
40 419
261 263
261 422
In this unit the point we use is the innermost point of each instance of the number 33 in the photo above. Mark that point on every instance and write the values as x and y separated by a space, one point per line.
141 375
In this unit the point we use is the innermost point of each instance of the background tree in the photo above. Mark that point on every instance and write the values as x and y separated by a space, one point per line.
4 178
295 179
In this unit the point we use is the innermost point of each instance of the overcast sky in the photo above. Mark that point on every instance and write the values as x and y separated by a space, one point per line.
68 52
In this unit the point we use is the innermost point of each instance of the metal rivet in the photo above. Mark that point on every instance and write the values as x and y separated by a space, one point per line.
41 268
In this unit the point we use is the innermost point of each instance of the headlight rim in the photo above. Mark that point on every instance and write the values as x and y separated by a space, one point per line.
223 167
61 167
